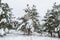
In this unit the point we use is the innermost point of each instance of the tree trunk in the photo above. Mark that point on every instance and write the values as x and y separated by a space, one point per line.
51 34
59 34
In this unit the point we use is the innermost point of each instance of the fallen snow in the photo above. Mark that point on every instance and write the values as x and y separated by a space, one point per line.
17 35
1 31
20 37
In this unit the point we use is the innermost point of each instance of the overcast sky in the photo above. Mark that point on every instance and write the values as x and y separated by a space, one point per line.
19 5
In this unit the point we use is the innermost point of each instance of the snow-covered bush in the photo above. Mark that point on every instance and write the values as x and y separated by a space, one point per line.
2 32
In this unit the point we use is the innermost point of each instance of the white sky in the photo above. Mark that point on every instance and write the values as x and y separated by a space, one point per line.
19 5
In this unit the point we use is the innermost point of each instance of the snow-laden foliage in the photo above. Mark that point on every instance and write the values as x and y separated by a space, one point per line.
32 16
52 20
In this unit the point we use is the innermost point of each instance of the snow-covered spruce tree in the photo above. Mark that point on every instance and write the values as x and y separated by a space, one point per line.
51 21
34 17
4 15
57 8
31 14
24 22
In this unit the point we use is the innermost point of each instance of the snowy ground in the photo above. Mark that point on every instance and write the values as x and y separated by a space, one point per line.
17 36
11 37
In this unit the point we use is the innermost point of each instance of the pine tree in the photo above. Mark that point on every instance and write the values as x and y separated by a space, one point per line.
57 8
32 14
34 17
51 20
4 14
25 19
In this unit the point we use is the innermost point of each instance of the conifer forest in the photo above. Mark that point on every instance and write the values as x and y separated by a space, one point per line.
29 24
